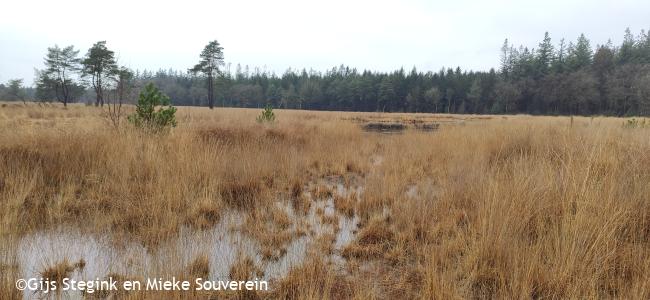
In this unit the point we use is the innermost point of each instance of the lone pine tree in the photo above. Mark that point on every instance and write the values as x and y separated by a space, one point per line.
60 66
211 60
99 64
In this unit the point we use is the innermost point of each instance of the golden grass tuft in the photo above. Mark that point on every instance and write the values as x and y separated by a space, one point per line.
314 279
345 204
8 275
244 268
242 193
296 188
199 267
322 191
271 227
60 270
204 215
372 241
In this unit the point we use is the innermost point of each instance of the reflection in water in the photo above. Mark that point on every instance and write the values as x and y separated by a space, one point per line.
223 244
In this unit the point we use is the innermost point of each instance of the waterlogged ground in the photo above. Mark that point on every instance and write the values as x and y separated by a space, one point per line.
510 207
93 256
324 227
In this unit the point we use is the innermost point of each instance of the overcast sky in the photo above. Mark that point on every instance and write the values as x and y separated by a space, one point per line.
370 34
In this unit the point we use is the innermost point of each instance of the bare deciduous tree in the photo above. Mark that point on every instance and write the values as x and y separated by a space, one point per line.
123 78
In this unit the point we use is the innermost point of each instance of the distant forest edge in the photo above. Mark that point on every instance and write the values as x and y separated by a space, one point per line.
555 78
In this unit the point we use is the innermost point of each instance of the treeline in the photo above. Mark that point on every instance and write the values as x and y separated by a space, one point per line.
573 79
562 78
554 78
14 90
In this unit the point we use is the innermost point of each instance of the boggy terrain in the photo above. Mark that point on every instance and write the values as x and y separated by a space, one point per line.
479 207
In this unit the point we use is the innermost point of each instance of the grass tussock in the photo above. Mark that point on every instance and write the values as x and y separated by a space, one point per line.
373 240
272 228
322 191
244 269
9 266
199 267
314 280
298 198
60 270
204 215
242 193
345 204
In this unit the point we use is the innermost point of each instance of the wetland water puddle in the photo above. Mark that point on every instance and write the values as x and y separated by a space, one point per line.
398 127
101 257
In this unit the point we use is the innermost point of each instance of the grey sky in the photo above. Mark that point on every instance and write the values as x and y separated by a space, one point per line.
375 35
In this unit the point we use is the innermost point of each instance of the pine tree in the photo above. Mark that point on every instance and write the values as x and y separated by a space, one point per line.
580 56
474 95
545 55
603 65
505 59
432 98
100 64
625 52
560 58
386 94
16 90
211 60
60 67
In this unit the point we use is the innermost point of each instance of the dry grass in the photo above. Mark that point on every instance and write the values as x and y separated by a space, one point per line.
373 241
200 267
506 206
61 270
345 204
314 280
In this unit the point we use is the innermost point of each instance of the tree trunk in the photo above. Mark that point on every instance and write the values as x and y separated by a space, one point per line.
210 91
100 93
66 94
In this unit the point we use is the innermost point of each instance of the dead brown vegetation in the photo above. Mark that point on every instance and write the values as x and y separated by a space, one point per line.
514 207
